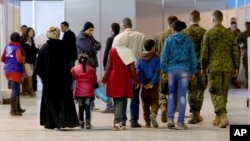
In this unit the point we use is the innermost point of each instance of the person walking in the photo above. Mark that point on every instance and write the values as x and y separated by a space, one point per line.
148 70
220 60
197 86
242 41
121 61
178 65
136 40
115 29
234 29
163 88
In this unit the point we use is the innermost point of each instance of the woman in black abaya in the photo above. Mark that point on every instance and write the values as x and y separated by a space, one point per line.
53 67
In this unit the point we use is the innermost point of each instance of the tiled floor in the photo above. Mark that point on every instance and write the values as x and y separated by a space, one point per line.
27 128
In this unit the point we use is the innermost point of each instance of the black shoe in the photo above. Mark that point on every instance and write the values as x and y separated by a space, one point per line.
124 123
88 124
21 110
135 125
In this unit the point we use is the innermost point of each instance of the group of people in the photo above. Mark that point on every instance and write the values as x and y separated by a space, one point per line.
161 72
20 57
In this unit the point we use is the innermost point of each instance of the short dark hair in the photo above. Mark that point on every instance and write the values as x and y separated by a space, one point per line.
24 26
149 44
65 23
127 22
177 25
15 37
218 15
184 25
171 19
247 23
195 15
116 28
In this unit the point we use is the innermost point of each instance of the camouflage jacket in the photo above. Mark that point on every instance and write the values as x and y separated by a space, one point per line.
219 51
159 40
242 37
196 33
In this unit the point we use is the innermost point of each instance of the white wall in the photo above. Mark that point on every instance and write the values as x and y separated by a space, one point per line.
42 14
9 22
248 12
207 7
27 13
2 45
149 16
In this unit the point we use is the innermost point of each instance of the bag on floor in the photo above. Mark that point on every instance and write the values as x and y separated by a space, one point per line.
100 93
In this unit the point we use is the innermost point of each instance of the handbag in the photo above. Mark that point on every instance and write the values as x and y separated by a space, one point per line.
100 92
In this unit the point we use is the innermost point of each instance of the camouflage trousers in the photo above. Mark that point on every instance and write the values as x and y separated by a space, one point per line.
218 84
163 91
196 90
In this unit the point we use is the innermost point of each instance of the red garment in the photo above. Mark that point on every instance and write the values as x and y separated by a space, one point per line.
20 55
84 86
118 77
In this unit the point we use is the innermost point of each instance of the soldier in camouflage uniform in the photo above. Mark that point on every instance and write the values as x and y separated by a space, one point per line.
220 59
198 85
242 39
233 28
163 90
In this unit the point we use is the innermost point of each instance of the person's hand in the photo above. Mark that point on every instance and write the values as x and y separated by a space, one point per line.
235 73
164 76
102 84
203 72
191 77
137 86
76 101
148 86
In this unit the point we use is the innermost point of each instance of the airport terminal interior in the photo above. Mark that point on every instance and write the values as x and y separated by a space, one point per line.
148 17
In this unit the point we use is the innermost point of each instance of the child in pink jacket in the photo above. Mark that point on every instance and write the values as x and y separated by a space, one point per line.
85 78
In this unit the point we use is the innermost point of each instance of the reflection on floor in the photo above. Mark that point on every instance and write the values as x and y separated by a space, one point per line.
27 128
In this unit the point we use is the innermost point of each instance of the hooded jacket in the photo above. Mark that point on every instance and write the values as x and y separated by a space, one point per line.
178 53
85 43
148 68
84 81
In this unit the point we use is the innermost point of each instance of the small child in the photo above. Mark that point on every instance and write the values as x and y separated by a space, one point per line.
148 69
85 77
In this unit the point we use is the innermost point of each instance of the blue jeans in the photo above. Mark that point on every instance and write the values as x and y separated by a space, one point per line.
134 107
84 104
177 84
109 104
15 88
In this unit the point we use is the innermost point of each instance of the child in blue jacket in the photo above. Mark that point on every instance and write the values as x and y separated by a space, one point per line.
148 69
